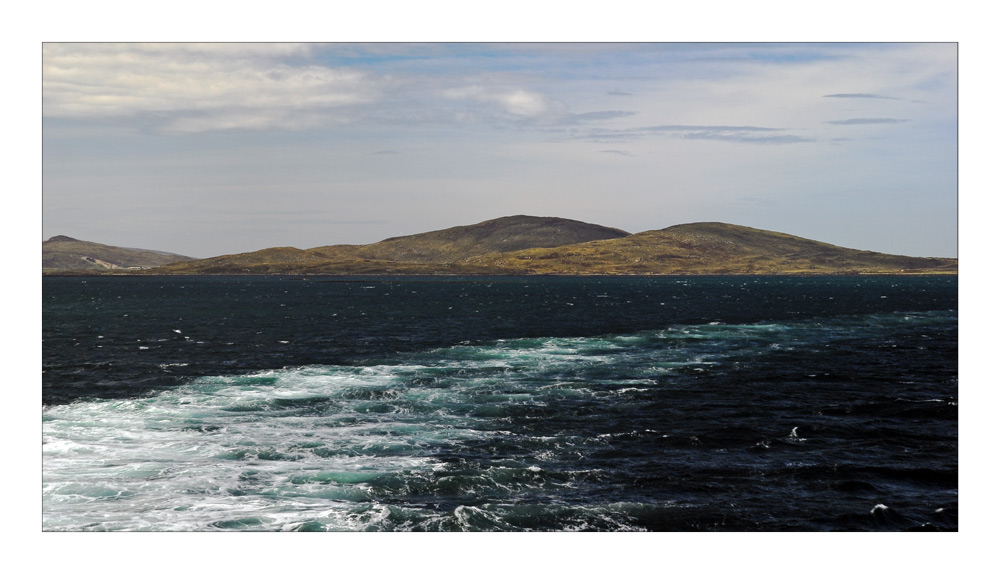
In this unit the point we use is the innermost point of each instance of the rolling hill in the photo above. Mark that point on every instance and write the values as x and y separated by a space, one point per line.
524 245
707 248
65 254
494 236
430 253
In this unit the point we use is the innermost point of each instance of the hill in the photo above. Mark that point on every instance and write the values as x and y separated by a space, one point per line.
522 245
708 248
429 253
494 236
65 254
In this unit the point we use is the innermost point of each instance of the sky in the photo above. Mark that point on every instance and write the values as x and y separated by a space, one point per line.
209 149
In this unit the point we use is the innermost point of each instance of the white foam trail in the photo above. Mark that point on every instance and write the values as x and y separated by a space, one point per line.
287 448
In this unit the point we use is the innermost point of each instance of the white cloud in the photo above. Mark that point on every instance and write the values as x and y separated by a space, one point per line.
196 87
190 88
514 101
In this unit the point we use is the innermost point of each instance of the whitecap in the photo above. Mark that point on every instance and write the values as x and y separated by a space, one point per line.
795 434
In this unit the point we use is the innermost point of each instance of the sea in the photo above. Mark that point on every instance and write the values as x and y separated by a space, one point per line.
668 404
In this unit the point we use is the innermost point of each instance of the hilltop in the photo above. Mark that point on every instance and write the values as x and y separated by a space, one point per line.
494 236
66 254
525 245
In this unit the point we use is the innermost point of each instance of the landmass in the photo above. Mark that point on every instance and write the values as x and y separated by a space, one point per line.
527 245
66 254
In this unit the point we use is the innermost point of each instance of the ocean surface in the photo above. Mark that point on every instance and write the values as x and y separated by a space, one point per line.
500 404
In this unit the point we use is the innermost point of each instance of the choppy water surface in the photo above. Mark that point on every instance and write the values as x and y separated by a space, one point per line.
505 404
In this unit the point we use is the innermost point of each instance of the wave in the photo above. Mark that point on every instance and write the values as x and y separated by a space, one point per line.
508 435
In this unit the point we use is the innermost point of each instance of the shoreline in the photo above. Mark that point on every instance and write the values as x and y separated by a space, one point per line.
65 273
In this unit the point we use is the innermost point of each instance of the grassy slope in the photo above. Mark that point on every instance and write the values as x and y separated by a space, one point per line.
708 248
66 254
489 248
434 252
493 236
292 261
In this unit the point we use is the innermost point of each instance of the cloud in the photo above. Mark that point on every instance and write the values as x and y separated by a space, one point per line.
747 138
733 134
868 96
198 121
865 121
516 102
603 115
618 152
197 87
619 93
718 129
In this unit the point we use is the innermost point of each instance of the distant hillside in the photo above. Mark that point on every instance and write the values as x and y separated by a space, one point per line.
424 253
62 253
523 245
494 236
708 248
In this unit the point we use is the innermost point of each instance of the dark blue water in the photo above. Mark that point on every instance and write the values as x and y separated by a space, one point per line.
696 403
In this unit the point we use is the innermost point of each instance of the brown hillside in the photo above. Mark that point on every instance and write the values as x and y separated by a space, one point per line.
494 236
708 248
62 253
559 247
424 253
